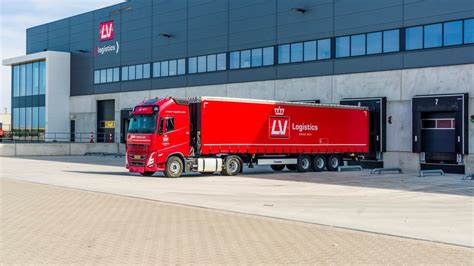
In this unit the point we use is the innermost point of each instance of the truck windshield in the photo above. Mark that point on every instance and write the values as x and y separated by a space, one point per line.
142 124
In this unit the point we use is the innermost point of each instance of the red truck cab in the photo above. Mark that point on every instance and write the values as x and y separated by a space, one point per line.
159 128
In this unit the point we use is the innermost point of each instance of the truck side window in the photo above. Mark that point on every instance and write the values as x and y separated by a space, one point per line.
169 124
160 128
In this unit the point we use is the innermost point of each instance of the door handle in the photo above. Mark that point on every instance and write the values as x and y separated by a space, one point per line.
377 138
416 138
459 138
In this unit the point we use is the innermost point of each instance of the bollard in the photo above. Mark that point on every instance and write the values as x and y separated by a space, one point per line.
110 138
92 137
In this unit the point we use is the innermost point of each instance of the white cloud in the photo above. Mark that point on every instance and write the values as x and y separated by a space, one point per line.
18 15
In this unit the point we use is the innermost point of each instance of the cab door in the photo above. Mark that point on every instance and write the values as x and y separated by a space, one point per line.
174 135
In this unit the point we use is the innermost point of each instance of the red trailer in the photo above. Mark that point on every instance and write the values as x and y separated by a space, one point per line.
210 134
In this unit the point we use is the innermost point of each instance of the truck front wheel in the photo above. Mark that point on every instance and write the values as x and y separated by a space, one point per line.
232 166
174 167
334 161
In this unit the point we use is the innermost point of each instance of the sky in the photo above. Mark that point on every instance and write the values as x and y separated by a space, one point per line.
18 15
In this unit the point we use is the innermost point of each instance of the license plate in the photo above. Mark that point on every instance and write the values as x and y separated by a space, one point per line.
137 157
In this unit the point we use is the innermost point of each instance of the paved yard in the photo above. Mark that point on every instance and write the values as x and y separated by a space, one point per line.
433 208
46 224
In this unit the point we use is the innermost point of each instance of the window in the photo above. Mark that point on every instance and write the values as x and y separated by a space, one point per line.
29 79
35 78
181 66
22 80
110 72
452 33
164 68
169 124
257 57
28 118
16 118
192 65
103 76
245 58
268 56
22 118
324 49
96 76
131 73
221 61
35 123
310 51
211 63
16 80
172 68
391 41
201 64
116 74
433 36
284 54
342 46
234 60
374 43
41 118
124 73
156 69
296 52
469 31
139 71
414 38
42 76
358 44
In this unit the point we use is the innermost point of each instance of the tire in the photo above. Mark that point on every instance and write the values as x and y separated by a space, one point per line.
232 166
147 173
333 162
304 163
291 167
319 163
277 167
174 167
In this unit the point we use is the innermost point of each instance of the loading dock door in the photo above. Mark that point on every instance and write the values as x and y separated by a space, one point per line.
125 121
106 121
377 123
440 124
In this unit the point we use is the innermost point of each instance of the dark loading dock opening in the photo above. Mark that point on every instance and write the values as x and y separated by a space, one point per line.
106 121
377 128
440 124
124 122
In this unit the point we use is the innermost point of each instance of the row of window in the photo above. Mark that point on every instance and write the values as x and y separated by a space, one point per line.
107 75
169 68
207 63
29 118
368 43
440 34
388 41
304 51
252 58
29 79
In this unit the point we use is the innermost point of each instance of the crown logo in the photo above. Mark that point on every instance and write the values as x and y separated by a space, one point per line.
279 110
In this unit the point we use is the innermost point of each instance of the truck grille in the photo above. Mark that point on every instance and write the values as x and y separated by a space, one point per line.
137 163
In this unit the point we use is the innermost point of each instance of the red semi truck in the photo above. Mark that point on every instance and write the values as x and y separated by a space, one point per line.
212 134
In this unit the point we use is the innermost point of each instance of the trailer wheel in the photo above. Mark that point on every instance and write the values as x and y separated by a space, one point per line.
232 165
147 173
291 167
304 163
333 162
277 167
174 167
319 163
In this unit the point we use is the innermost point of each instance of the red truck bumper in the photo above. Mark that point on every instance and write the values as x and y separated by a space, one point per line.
136 169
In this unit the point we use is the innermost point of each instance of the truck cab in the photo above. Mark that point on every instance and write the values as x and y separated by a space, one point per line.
159 129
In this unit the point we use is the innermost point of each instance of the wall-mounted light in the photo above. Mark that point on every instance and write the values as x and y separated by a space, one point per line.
166 35
45 49
299 10
118 11
81 51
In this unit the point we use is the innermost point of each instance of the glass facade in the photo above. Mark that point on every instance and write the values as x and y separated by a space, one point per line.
28 100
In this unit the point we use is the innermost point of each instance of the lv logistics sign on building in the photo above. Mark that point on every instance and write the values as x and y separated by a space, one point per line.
410 62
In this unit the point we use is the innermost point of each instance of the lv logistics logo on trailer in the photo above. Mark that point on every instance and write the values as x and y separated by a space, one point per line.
106 33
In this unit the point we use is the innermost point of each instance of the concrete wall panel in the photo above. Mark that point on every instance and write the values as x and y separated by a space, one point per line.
253 90
315 88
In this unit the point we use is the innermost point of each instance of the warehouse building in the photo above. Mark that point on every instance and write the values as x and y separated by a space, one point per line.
411 62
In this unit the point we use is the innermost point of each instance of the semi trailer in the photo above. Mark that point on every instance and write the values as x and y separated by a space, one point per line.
216 134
